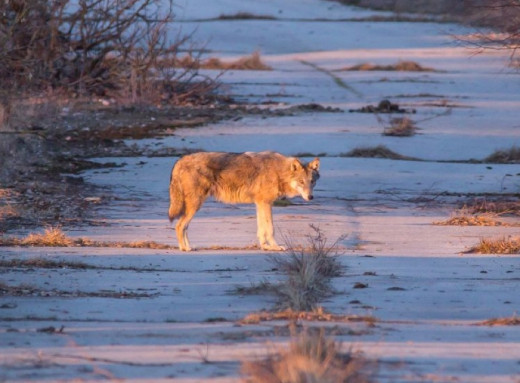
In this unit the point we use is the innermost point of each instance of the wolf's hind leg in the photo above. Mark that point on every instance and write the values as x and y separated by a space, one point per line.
182 233
192 206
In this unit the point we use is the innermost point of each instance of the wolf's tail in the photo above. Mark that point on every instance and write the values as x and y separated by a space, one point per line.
176 198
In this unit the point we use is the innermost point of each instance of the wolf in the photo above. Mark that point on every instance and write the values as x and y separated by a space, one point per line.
258 178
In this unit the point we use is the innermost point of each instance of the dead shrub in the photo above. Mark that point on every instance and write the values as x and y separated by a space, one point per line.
497 246
498 207
379 151
114 48
504 156
310 357
400 127
401 66
307 271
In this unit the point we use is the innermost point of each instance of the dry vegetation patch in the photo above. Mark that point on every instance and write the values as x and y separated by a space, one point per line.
498 207
55 237
384 106
315 315
42 263
400 127
310 357
245 16
251 62
28 290
471 220
505 156
511 321
401 66
308 271
380 151
497 246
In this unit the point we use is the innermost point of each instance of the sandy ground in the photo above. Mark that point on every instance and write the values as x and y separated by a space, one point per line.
156 315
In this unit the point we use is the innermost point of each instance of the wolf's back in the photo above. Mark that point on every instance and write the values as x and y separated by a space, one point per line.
176 196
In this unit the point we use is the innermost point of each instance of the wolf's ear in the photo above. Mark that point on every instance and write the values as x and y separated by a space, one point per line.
296 165
314 164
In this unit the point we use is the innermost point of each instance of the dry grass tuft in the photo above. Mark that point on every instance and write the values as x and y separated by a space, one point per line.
55 237
500 207
42 263
315 315
401 66
496 246
471 220
400 127
245 16
511 321
311 357
308 270
505 156
251 62
379 151
51 237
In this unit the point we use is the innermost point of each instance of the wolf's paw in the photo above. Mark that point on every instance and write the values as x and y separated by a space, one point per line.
267 247
183 248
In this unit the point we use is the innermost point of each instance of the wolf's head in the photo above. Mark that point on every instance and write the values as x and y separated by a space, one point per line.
304 177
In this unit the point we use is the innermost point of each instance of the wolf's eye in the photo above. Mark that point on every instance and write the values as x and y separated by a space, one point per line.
301 182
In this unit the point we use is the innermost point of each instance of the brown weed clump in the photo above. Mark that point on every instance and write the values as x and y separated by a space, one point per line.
401 66
55 237
509 321
318 314
504 156
497 246
379 151
470 220
251 62
310 357
51 237
400 127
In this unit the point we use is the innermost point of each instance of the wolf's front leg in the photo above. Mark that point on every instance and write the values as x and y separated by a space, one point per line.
265 231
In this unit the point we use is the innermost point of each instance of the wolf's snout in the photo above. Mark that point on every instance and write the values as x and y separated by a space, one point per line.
310 197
